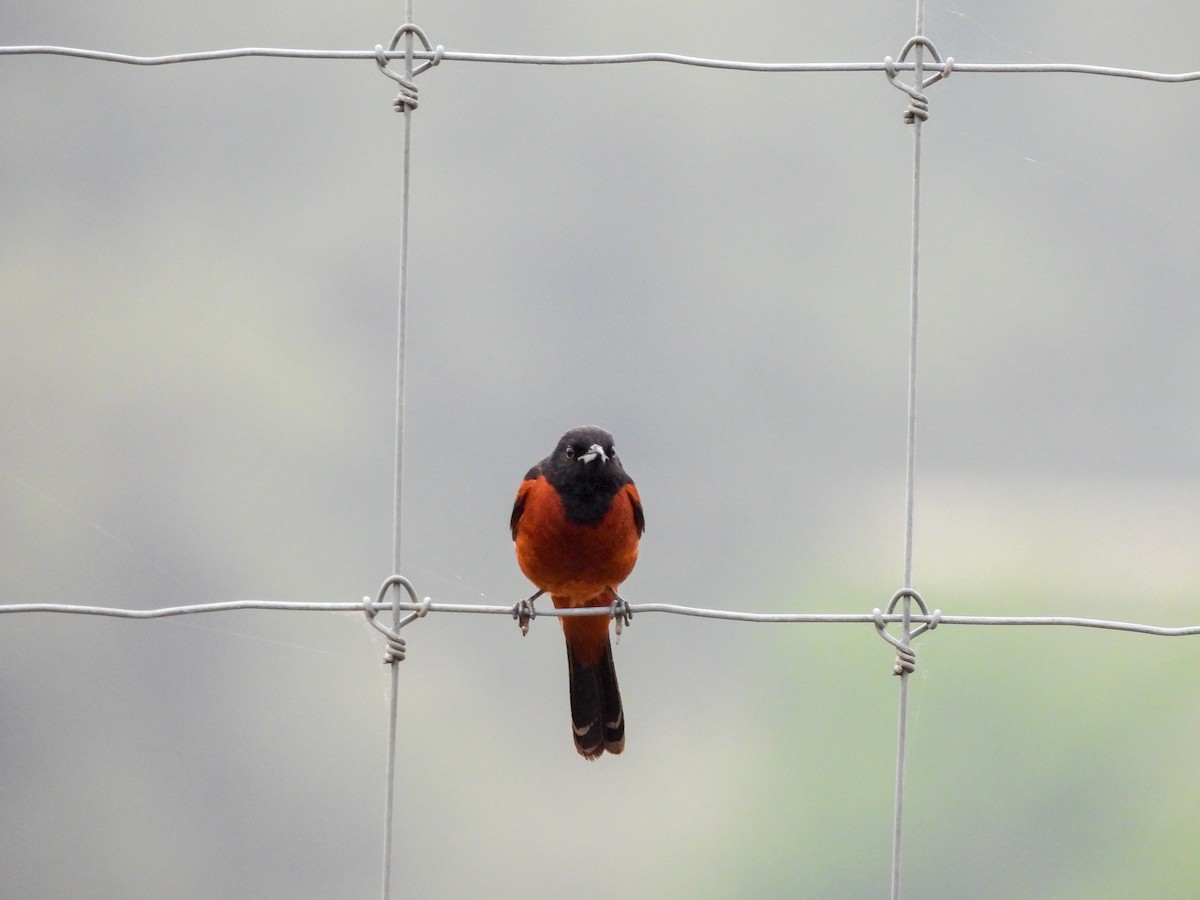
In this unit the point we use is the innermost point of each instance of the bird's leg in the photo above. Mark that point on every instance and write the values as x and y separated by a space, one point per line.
524 612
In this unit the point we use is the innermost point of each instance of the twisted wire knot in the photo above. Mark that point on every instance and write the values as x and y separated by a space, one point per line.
906 660
918 105
918 108
395 650
906 656
407 98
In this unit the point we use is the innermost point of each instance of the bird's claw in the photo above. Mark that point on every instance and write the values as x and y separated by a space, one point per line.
622 613
524 612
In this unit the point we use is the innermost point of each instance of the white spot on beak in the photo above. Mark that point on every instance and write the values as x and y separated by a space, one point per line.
594 451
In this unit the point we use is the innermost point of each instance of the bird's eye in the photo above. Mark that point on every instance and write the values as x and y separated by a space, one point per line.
570 451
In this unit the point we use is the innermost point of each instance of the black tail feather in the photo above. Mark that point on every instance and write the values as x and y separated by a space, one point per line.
597 719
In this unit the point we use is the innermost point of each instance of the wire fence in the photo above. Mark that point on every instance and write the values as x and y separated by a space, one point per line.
907 609
440 54
426 606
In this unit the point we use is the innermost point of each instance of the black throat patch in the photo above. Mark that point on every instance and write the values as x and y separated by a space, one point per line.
586 497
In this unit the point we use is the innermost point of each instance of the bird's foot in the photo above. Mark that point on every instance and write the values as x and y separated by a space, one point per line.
622 613
524 612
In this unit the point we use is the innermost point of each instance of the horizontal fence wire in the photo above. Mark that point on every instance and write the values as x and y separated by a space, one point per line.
636 608
442 55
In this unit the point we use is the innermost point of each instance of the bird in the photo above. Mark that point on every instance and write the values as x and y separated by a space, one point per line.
576 522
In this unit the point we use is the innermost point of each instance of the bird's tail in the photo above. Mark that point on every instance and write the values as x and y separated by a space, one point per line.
597 719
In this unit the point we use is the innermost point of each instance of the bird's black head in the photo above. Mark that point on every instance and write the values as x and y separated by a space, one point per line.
586 452
585 469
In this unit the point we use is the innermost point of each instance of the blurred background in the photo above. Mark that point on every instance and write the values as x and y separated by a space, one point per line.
199 268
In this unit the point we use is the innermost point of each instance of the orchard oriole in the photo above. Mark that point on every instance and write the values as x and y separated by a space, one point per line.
576 522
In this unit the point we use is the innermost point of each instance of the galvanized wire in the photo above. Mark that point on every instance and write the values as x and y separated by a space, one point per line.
406 104
428 607
915 115
441 54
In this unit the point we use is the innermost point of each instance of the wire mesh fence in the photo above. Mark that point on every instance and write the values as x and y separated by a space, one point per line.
918 59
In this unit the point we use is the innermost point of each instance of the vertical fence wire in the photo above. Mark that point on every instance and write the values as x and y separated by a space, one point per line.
398 494
910 461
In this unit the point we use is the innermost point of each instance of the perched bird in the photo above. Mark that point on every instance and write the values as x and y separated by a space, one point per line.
576 522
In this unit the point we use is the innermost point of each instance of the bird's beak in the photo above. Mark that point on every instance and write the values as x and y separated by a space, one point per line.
594 451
